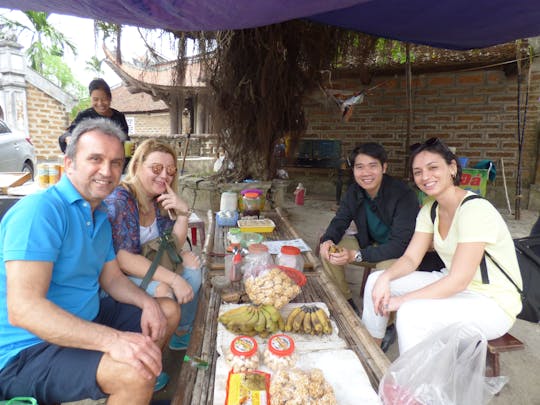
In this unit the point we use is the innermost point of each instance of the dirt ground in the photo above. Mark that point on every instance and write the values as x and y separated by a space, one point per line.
521 367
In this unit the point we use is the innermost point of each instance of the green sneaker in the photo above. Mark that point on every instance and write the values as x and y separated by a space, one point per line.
161 381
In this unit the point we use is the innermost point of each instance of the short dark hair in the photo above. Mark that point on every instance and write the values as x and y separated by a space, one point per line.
373 149
99 84
435 145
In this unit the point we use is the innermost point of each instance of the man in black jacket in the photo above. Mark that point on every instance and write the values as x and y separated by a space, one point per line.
384 211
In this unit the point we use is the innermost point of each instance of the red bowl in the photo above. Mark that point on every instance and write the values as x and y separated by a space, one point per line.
297 276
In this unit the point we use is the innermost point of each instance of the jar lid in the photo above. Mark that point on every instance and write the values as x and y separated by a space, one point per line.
290 250
251 190
251 195
244 346
257 248
281 345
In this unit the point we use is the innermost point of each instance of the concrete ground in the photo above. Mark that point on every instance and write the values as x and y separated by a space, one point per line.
521 367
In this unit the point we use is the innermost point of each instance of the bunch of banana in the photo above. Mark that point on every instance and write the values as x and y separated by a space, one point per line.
252 319
308 319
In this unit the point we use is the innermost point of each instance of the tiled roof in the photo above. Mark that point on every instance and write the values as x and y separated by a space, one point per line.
127 102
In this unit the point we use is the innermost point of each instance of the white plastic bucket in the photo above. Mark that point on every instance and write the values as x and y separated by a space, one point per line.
229 201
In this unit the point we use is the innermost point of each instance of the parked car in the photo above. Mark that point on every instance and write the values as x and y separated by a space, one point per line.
16 151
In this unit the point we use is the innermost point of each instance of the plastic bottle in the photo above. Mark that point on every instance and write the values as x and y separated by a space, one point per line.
299 194
243 354
290 256
257 260
279 352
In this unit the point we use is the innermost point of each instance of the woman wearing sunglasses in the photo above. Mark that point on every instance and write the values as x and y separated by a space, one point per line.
144 206
461 232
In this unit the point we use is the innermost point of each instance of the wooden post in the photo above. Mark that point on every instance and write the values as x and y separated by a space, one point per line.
408 76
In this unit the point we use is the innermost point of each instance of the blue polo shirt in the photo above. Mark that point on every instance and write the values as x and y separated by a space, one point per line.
56 226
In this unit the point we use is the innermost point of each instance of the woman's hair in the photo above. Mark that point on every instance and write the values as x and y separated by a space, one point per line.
99 84
373 149
131 180
435 145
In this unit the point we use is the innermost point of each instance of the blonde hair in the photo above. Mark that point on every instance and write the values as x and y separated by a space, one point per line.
131 180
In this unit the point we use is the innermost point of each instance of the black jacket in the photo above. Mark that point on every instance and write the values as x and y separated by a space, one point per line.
117 117
396 205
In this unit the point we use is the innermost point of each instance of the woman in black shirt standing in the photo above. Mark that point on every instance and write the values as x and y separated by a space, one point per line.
100 98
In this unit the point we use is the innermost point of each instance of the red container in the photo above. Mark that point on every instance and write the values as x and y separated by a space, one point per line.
299 194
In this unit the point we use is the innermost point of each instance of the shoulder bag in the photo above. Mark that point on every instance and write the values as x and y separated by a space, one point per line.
529 267
162 251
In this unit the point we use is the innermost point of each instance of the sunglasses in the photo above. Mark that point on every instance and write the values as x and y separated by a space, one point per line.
157 168
421 145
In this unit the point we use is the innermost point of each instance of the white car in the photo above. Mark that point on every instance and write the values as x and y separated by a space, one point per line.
16 152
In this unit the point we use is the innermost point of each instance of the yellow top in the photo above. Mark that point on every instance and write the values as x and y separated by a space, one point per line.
478 221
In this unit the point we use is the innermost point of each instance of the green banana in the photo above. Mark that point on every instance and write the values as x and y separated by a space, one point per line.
261 322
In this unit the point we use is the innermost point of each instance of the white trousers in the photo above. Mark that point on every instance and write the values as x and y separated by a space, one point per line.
417 319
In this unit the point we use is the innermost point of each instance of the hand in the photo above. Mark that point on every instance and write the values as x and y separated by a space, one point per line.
171 201
394 303
191 260
182 290
343 257
153 320
323 249
381 295
139 351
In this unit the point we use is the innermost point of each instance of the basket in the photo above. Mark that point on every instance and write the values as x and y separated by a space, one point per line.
297 276
226 218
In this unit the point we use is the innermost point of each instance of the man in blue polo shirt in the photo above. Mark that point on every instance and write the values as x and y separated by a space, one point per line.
58 341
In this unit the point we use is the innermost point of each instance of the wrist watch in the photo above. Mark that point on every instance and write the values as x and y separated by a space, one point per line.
358 257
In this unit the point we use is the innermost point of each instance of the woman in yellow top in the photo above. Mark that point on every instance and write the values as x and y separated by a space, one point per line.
461 233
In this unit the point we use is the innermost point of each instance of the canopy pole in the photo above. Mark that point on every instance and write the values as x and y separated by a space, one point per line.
408 78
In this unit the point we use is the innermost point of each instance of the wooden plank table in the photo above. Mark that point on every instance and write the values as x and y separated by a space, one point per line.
196 387
283 231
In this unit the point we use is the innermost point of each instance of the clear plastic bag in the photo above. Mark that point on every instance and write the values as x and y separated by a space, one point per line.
446 368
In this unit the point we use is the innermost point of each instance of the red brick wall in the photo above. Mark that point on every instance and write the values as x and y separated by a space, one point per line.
47 120
472 111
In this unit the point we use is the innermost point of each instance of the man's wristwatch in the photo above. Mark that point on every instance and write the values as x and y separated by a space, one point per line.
358 257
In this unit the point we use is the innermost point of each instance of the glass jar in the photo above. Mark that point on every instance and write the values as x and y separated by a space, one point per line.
290 256
243 354
257 260
279 352
252 204
233 265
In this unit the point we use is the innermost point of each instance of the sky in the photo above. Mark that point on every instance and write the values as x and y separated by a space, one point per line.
81 32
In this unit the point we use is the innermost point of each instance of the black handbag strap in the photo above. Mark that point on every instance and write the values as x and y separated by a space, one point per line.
483 266
503 272
166 244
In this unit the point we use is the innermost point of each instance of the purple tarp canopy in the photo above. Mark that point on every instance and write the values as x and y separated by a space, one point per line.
454 24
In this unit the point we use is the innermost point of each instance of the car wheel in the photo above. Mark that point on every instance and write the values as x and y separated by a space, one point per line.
28 168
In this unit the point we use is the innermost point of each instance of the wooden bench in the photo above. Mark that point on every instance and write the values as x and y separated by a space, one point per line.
506 343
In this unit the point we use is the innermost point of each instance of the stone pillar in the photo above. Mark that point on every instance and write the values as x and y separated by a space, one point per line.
13 86
200 113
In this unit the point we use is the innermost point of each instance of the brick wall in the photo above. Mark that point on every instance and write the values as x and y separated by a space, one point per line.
150 123
47 120
472 111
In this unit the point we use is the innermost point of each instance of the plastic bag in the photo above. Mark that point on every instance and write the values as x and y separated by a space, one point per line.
446 368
